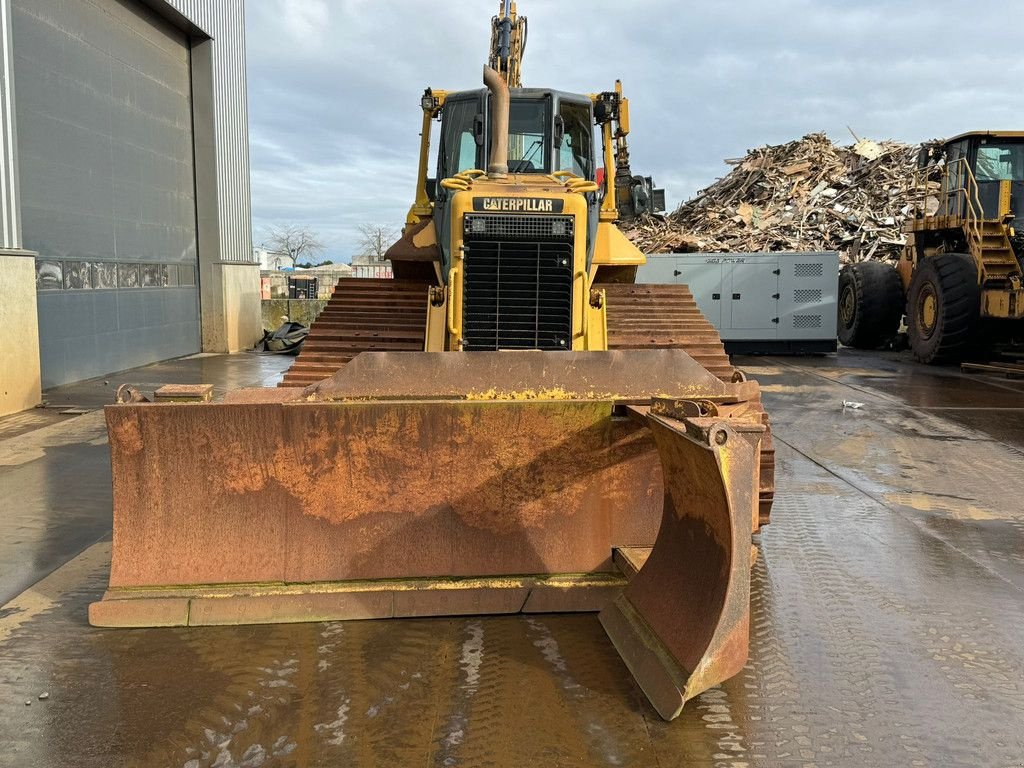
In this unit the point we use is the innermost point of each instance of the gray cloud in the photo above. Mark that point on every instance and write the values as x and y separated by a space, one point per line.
334 85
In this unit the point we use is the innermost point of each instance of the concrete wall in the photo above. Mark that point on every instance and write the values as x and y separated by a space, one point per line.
241 295
303 311
19 371
19 367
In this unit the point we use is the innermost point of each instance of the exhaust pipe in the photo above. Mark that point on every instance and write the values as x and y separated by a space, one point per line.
498 166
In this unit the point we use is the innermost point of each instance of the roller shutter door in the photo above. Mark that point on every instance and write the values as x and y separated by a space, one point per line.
105 149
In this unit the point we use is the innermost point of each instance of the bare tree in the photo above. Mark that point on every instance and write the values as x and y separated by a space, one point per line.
294 241
374 241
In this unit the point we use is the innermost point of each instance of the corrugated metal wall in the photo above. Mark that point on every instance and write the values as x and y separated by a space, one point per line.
224 21
10 235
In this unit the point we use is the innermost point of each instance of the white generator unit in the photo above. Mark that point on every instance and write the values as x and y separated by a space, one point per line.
770 303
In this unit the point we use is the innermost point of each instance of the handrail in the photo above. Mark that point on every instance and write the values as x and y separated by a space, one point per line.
962 200
452 275
973 207
583 295
462 180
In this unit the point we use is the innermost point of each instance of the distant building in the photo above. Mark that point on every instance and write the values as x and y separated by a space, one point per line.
277 284
368 259
340 270
327 276
271 260
125 226
380 270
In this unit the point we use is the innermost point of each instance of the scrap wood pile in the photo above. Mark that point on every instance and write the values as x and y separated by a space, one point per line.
807 195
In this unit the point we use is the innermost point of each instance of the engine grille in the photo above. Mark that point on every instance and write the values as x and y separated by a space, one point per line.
517 284
540 227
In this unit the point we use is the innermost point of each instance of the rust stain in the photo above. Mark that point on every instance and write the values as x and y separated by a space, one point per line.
681 623
124 432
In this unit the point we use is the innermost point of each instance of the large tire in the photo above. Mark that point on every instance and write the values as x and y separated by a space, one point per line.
943 307
870 304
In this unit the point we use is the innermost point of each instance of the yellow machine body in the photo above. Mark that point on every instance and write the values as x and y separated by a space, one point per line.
965 209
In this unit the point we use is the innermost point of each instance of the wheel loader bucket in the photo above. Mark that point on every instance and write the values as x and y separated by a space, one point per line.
681 625
418 484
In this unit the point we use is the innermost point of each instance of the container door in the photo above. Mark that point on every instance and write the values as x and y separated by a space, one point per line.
754 297
705 283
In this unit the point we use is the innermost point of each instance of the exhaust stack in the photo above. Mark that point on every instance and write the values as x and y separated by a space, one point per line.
497 168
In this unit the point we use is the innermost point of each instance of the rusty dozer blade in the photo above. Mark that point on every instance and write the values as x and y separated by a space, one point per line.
681 625
425 484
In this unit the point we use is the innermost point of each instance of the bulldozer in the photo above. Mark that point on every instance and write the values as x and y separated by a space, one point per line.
510 425
958 281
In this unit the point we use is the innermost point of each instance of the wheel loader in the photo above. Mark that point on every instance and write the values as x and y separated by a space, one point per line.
959 279
510 425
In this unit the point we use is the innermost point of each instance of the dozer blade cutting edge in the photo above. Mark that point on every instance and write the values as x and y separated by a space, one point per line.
425 484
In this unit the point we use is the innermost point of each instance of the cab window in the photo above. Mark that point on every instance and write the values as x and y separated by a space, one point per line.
458 143
1000 162
575 153
527 136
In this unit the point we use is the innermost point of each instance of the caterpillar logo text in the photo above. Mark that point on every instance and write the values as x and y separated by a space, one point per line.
517 204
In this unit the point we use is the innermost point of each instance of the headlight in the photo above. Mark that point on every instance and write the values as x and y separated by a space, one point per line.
477 225
558 227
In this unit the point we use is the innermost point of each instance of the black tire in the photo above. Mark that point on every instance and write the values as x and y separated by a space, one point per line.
943 308
870 304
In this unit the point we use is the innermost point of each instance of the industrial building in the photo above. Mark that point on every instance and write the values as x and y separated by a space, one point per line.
124 200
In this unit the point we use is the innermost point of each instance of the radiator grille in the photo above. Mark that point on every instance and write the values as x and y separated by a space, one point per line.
517 287
540 227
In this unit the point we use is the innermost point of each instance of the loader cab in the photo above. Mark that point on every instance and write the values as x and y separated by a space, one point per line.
996 161
548 131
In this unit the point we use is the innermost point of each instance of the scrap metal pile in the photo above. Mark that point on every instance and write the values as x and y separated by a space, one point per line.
807 195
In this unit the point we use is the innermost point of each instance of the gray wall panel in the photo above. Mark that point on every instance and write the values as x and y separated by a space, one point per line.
105 312
113 330
105 155
103 121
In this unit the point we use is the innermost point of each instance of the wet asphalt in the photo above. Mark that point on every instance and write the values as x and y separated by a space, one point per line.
887 602
55 496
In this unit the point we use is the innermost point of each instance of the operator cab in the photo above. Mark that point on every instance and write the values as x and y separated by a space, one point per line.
993 157
548 131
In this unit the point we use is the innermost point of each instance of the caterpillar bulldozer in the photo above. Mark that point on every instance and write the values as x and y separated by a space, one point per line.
510 425
959 279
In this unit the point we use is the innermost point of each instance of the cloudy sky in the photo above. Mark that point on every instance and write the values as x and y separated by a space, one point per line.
334 85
